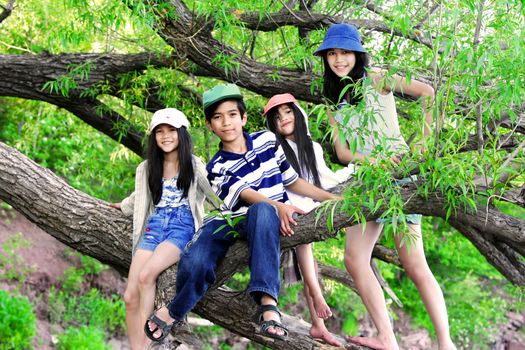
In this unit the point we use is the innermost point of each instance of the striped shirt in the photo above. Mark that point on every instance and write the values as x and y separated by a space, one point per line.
263 168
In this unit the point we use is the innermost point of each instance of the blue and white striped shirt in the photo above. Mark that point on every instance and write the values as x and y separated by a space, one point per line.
263 168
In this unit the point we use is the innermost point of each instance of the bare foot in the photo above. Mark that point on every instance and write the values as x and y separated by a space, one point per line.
373 343
321 307
321 333
164 315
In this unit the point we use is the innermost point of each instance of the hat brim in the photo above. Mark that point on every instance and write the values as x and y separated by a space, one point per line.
340 42
233 96
278 100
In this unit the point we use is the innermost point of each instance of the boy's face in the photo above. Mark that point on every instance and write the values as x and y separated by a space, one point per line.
227 122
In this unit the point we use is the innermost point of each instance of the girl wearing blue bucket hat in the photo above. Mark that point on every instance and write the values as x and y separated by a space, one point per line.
367 116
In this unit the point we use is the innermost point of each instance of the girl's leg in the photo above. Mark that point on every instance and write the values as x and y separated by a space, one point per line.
165 255
134 321
358 251
415 264
314 297
306 261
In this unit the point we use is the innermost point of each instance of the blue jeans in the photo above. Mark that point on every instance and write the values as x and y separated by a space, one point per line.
168 224
197 265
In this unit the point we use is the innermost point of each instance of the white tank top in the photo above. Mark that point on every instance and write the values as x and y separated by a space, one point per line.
378 126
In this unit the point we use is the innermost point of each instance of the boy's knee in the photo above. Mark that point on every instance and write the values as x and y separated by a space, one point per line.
262 208
262 213
194 267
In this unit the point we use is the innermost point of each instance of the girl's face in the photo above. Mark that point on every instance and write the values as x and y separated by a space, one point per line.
341 61
167 138
285 121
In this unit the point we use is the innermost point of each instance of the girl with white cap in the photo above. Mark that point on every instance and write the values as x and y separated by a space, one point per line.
373 131
167 208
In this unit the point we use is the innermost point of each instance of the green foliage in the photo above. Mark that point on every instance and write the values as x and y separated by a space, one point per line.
12 264
466 74
88 316
83 338
91 309
476 302
17 322
73 277
89 160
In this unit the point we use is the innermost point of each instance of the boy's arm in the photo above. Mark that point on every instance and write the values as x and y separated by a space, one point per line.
284 211
306 189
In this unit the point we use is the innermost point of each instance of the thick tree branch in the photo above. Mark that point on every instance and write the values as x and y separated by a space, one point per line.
90 226
6 10
24 76
307 20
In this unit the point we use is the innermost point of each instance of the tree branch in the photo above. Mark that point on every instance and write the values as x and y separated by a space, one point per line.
6 10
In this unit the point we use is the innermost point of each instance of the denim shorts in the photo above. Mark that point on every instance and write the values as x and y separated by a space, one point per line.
174 225
413 219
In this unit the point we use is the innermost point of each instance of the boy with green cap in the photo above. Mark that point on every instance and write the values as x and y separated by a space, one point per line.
249 174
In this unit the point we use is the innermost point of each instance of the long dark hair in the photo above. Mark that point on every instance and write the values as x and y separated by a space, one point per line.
333 84
155 157
304 143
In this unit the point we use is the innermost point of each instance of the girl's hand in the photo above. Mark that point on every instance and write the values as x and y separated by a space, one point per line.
285 213
115 205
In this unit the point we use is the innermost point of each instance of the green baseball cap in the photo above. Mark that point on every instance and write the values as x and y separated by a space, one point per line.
219 93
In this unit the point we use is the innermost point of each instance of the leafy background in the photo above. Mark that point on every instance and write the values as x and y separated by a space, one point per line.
478 297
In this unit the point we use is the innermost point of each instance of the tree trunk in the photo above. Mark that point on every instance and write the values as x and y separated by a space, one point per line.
90 226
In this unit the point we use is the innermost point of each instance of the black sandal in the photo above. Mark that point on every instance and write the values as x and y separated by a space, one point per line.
270 323
160 325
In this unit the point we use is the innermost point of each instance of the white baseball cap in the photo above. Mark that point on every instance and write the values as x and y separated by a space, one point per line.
170 116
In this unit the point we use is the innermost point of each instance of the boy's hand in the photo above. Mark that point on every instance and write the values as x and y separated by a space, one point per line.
285 212
114 205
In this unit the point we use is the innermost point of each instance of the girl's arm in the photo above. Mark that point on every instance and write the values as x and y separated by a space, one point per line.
304 188
415 88
126 205
342 150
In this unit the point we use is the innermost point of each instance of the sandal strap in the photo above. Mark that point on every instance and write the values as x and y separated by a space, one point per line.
160 323
269 307
272 323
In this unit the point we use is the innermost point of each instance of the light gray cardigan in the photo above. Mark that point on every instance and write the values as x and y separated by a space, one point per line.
140 204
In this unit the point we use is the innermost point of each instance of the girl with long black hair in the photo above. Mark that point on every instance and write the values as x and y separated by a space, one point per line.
167 208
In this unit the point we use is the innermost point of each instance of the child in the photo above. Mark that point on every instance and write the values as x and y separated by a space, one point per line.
167 207
346 67
289 122
249 173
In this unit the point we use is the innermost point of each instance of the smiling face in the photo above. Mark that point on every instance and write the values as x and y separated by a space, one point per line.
227 122
167 137
285 121
340 61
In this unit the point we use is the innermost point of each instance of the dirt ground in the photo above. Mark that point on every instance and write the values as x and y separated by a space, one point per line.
48 259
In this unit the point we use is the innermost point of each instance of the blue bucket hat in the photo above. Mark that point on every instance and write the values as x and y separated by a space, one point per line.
341 36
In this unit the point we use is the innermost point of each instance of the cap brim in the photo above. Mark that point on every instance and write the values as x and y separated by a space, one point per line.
343 43
234 96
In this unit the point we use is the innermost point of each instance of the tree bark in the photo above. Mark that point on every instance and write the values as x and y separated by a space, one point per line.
24 76
90 226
